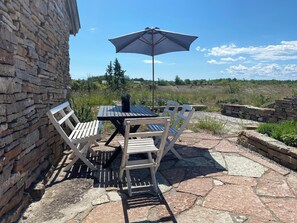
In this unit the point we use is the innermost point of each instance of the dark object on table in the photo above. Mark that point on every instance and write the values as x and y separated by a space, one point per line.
126 103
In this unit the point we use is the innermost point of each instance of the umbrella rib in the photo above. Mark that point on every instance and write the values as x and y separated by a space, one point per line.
161 40
130 42
175 41
144 40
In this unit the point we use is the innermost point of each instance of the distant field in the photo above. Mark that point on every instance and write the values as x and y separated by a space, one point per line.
242 92
212 95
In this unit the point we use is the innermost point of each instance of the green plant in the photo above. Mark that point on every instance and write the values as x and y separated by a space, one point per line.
266 128
83 111
233 88
290 139
228 100
208 124
285 131
259 100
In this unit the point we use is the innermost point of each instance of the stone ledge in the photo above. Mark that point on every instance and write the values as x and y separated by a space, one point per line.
269 147
196 107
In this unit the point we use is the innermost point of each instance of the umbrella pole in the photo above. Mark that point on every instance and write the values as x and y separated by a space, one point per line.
153 68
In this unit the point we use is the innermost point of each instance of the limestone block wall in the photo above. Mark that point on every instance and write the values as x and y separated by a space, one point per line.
285 109
34 73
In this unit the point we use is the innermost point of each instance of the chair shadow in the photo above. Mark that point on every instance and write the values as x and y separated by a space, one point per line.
197 162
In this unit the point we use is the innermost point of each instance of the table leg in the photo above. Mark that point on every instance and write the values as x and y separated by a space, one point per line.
113 157
111 137
119 129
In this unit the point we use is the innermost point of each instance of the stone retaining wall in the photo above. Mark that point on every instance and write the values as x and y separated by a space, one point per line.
196 107
34 75
269 147
285 109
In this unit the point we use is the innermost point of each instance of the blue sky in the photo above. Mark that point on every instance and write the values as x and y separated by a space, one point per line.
252 39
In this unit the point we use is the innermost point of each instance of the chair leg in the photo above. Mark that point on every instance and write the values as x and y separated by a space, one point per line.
79 154
121 173
154 181
176 153
129 184
170 147
92 152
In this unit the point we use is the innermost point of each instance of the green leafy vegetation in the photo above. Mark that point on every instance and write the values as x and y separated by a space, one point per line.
285 131
82 110
108 88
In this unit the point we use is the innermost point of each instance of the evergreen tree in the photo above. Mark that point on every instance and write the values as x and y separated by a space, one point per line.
109 75
119 75
178 80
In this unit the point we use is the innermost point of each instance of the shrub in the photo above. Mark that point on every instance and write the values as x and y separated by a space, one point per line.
228 100
290 139
83 111
266 128
285 131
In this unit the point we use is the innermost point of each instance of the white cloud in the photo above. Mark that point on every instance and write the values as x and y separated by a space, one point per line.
257 62
225 60
266 71
150 61
230 59
216 62
286 50
93 29
198 48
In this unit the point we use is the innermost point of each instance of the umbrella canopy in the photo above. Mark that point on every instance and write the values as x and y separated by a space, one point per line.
152 42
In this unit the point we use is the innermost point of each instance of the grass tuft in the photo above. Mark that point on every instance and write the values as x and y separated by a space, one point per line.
208 124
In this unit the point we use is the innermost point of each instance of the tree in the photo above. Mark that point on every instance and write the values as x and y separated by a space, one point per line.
178 81
187 81
115 76
119 75
109 75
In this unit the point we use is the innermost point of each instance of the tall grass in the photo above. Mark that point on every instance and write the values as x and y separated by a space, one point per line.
208 124
209 95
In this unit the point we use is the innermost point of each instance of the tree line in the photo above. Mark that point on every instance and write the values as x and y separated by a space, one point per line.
116 80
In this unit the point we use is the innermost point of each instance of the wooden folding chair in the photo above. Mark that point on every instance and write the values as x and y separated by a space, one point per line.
143 143
81 136
170 109
183 118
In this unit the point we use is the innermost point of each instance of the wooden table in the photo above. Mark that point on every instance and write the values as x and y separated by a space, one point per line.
115 115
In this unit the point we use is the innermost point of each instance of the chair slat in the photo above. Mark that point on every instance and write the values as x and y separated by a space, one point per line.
66 117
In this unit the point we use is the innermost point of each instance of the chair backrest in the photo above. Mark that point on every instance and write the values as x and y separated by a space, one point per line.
183 118
63 114
143 132
170 109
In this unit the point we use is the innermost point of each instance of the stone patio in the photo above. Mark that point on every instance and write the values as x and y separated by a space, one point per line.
217 181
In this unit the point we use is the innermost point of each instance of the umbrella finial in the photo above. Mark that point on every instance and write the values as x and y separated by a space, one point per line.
148 28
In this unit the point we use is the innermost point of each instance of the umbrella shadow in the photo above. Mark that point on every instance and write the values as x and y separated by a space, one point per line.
197 162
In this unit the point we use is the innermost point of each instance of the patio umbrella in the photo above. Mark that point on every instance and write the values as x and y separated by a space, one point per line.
152 42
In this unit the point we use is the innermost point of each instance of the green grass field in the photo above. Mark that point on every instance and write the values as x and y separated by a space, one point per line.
86 103
260 95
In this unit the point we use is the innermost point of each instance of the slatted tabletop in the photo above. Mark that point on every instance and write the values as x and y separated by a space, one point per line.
115 112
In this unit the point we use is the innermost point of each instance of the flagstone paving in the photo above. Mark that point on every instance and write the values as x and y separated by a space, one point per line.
217 181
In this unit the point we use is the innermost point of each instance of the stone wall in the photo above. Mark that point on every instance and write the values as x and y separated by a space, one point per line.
269 147
285 109
34 75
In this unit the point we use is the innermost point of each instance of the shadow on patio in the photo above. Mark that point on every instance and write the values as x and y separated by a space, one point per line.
197 163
